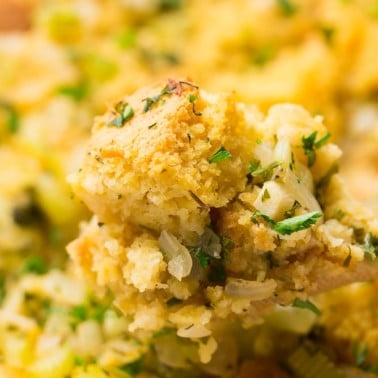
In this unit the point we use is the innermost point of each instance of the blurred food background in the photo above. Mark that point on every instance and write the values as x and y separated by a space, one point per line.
63 61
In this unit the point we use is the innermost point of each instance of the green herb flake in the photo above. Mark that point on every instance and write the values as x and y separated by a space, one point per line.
298 223
34 264
152 125
263 55
128 113
291 212
154 99
299 303
258 214
339 214
286 7
360 353
126 39
370 246
11 116
310 144
328 33
79 361
202 257
99 311
265 173
75 91
125 113
132 368
226 243
290 225
265 195
220 155
79 313
253 165
192 99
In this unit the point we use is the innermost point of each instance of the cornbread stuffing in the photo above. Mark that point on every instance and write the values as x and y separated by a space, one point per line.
206 209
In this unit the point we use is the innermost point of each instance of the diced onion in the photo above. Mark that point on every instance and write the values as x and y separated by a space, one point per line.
194 331
300 192
279 201
254 290
264 153
282 152
211 244
179 259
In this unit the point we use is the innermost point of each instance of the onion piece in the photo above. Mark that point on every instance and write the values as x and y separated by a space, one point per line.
254 290
179 259
282 152
210 243
300 192
264 153
195 331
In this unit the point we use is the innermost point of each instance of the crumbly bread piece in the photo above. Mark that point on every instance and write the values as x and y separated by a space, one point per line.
206 209
159 160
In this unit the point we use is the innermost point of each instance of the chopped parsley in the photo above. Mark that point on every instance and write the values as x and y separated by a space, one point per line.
263 55
79 313
75 91
132 368
370 246
265 195
310 144
253 165
299 303
226 243
290 213
290 225
208 249
264 173
220 155
173 87
79 361
154 99
328 33
192 99
126 39
202 257
125 113
339 214
34 264
152 125
12 117
360 353
286 7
